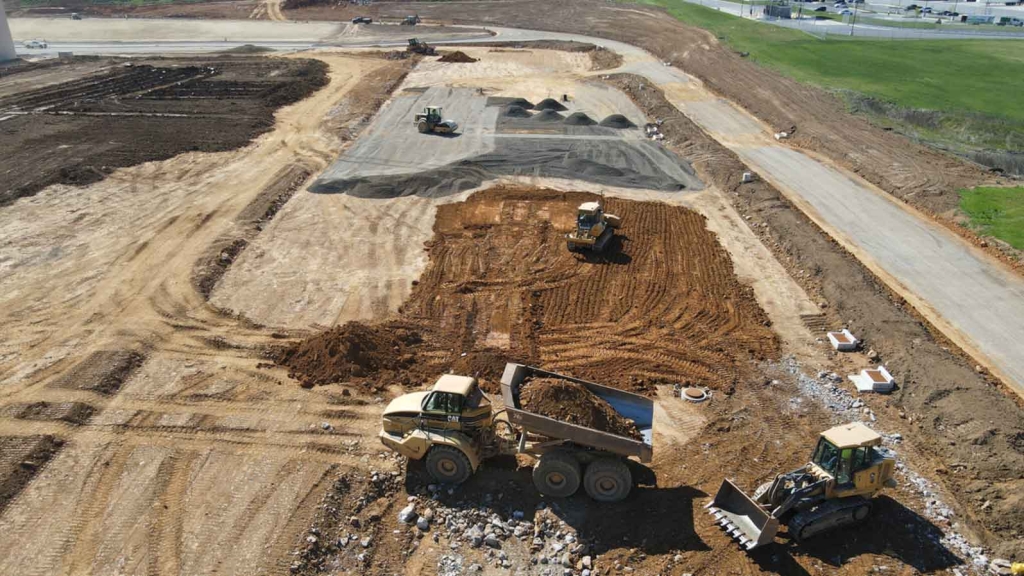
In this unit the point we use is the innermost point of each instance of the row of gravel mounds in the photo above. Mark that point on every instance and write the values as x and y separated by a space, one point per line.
550 104
579 119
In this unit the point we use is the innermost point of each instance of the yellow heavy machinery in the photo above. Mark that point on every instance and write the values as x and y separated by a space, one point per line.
418 46
594 228
454 427
430 122
833 490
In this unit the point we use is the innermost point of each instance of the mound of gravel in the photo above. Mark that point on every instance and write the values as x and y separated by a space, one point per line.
573 403
457 56
514 111
548 116
617 121
522 103
550 104
580 119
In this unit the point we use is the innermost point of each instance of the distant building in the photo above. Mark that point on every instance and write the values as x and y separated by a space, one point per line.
778 11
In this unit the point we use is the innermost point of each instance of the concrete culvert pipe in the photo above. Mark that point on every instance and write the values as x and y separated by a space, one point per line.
579 119
617 121
550 104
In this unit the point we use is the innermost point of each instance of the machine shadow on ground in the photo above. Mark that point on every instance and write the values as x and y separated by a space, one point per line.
892 530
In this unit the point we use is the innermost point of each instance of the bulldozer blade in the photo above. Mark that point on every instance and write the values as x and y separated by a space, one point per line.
741 517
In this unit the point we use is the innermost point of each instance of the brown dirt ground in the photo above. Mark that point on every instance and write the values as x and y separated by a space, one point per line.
571 402
123 116
661 306
21 458
966 424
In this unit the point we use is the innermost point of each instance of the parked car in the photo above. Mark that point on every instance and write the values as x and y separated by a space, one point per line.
846 12
926 10
821 9
35 44
362 20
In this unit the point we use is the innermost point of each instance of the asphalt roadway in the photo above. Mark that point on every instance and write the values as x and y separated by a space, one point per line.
972 298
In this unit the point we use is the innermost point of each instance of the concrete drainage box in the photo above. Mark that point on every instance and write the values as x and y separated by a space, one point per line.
843 340
873 380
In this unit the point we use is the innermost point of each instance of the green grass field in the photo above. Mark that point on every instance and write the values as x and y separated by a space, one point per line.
984 76
997 212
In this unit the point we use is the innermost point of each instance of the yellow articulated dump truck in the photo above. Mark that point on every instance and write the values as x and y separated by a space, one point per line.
455 427
847 469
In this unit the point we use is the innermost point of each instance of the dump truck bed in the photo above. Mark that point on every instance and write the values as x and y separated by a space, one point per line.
633 406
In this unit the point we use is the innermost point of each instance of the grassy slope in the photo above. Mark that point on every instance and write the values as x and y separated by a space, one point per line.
998 212
985 76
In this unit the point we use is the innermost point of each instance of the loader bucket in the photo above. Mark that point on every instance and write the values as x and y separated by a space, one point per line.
741 517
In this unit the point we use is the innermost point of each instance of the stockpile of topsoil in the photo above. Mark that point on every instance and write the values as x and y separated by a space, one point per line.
457 56
573 403
617 121
579 119
550 104
350 350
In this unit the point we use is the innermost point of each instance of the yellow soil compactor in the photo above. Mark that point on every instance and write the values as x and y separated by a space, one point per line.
847 469
594 228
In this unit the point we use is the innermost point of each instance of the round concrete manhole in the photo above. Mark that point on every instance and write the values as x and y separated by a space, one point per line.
694 394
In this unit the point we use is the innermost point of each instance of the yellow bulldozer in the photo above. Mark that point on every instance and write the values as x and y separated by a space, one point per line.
594 228
833 490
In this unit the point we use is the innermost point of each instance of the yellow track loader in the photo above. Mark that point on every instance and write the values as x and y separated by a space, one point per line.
833 490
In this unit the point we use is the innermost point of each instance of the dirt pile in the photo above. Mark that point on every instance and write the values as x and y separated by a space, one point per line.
579 119
70 412
547 115
617 121
458 57
573 403
514 111
352 350
550 104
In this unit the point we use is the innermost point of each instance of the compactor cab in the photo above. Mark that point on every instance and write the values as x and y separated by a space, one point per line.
594 228
430 121
833 490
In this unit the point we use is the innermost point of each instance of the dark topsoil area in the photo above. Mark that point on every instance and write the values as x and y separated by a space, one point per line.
78 131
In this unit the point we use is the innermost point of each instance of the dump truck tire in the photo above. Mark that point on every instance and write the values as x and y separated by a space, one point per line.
557 474
608 480
423 127
448 465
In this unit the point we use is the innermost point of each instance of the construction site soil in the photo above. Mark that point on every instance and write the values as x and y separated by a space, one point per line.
662 305
456 56
77 132
965 422
571 402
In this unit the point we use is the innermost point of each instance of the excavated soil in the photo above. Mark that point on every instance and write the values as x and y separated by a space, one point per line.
458 57
352 350
660 306
76 132
104 371
573 403
70 412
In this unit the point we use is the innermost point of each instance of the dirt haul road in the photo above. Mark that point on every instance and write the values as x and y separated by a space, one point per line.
195 460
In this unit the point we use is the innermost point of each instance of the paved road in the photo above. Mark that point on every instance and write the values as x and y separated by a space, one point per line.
973 299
